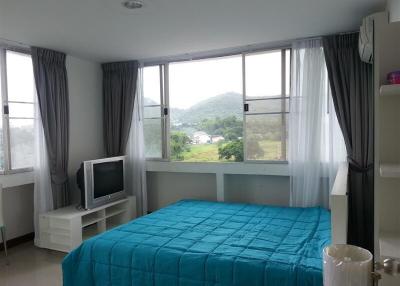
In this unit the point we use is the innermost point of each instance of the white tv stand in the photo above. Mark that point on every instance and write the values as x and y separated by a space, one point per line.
64 229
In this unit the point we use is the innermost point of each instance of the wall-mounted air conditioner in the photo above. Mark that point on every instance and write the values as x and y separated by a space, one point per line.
393 6
366 40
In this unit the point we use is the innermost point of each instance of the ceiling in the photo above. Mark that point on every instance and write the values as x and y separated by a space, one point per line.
101 30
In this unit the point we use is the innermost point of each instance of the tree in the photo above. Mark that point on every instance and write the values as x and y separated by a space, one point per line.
180 143
254 150
232 149
229 127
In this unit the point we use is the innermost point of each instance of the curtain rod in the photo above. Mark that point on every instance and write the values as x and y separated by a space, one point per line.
14 45
226 52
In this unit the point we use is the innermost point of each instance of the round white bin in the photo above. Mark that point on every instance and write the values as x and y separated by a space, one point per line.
347 265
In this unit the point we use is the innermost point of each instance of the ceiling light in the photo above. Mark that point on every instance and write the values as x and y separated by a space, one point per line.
132 4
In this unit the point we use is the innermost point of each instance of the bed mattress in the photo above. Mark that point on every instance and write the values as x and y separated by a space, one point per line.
193 243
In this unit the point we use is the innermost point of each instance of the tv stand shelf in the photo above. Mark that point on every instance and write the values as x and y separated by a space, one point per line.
64 229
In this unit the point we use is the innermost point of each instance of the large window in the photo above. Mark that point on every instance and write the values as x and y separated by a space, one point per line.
219 109
17 112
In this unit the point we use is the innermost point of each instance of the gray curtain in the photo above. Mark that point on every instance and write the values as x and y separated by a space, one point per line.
52 92
351 82
119 90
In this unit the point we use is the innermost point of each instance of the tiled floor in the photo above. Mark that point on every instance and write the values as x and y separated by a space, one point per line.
30 266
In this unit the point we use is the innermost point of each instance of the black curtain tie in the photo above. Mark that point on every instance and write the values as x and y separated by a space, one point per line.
356 167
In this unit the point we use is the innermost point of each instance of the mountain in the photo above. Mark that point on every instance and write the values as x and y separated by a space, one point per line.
222 106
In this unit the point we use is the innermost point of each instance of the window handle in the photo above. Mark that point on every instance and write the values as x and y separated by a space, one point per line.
6 110
165 111
246 107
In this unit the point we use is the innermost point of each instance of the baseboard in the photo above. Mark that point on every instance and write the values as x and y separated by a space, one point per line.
18 240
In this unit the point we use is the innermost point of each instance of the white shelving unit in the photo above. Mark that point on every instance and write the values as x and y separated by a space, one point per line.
64 229
389 170
387 143
389 241
390 90
390 244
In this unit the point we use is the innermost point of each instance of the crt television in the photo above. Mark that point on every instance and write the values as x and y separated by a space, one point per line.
101 181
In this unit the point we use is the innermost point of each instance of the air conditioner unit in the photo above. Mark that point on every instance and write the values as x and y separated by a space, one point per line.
366 40
393 6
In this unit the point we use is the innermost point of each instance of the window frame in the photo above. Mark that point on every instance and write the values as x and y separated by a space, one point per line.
283 97
164 108
8 170
164 102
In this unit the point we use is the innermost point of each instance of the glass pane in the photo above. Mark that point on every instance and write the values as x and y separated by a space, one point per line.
264 74
151 85
21 110
20 80
153 137
151 112
266 137
21 143
206 109
288 70
268 105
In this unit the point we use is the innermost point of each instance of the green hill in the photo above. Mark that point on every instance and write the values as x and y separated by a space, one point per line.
221 106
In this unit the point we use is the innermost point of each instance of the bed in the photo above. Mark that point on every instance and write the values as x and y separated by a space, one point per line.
193 243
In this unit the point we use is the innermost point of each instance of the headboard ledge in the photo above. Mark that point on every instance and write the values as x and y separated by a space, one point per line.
338 202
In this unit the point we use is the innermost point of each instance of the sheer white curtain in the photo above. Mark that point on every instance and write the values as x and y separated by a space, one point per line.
43 195
136 153
316 145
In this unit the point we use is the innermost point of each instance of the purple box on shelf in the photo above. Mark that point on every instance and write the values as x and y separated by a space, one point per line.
393 77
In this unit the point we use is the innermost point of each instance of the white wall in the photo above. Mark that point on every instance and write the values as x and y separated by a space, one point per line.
256 189
18 210
86 141
167 187
86 116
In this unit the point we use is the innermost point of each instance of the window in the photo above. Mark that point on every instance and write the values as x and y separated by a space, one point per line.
154 118
206 109
267 78
17 117
222 109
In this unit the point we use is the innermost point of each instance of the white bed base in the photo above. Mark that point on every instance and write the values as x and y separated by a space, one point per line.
339 206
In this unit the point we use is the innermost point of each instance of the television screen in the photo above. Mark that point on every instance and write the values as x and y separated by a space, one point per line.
108 178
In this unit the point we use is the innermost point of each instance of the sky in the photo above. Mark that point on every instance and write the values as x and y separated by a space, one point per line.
20 70
20 87
193 81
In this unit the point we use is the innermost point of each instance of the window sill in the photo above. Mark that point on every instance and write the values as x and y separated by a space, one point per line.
17 179
239 168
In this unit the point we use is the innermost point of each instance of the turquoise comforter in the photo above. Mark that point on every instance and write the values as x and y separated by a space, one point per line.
193 243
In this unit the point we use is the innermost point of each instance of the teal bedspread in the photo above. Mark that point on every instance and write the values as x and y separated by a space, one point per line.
193 243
